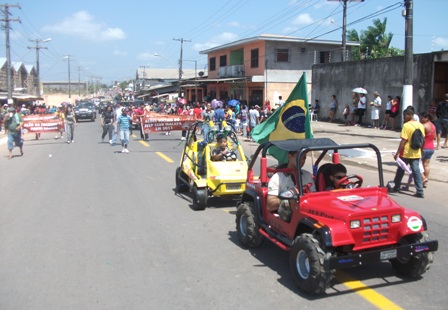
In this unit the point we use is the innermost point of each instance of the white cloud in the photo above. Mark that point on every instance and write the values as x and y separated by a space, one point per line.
120 53
303 19
82 24
221 39
234 24
441 42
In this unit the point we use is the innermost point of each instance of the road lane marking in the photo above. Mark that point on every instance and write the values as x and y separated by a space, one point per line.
165 157
367 293
144 143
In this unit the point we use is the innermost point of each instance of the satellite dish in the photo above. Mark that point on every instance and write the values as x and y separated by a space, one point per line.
201 73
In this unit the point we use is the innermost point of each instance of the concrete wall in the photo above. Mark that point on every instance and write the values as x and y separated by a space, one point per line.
384 75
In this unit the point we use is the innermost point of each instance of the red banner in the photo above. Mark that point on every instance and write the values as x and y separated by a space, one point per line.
155 122
42 123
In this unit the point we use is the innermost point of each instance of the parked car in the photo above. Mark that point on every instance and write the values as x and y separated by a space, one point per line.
352 225
85 111
202 176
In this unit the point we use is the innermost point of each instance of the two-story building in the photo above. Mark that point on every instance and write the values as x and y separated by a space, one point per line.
266 66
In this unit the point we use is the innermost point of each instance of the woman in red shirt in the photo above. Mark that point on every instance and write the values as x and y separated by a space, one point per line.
428 146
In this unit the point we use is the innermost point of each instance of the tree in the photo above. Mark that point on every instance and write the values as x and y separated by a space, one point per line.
374 42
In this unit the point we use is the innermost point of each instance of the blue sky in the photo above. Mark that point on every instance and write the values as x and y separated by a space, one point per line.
111 39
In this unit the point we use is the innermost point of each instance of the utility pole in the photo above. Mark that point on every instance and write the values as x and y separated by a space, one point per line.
344 26
180 63
6 19
408 56
69 86
37 47
79 81
144 77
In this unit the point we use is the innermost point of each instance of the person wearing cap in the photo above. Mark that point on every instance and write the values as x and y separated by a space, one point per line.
140 113
375 114
14 122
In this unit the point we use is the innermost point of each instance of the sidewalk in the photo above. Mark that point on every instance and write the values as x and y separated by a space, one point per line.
387 142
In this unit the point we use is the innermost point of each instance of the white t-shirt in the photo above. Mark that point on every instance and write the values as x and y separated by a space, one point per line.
362 103
281 182
253 115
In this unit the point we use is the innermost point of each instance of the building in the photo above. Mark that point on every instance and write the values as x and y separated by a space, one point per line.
23 80
266 66
385 75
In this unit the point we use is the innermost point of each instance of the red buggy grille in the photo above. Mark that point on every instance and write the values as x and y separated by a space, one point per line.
375 228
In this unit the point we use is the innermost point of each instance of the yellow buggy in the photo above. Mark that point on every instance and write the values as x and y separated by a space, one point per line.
202 176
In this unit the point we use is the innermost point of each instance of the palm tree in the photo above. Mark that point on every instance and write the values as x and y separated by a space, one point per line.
374 42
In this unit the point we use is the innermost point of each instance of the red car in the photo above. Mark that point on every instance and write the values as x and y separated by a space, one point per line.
348 226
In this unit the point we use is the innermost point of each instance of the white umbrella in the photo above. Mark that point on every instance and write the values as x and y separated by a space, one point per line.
359 90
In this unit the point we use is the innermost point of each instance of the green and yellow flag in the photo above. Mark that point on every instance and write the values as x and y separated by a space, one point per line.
291 121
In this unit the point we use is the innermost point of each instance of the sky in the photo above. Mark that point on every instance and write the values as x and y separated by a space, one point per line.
108 40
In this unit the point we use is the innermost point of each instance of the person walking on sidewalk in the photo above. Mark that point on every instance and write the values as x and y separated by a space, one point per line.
124 122
13 123
409 155
70 121
428 146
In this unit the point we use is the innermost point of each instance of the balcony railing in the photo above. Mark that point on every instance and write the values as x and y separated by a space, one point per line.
231 71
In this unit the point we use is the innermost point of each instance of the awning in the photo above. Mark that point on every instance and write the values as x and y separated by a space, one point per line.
224 79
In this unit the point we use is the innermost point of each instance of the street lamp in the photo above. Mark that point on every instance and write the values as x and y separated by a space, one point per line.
37 47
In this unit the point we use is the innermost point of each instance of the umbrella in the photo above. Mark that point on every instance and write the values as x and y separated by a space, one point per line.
233 102
359 90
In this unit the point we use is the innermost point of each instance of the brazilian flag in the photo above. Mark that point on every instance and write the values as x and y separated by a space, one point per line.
291 121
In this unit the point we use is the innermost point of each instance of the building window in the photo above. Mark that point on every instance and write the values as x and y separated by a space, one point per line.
223 60
254 58
324 57
282 55
212 65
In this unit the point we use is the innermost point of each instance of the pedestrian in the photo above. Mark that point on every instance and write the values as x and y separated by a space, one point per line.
442 115
60 114
244 118
394 110
254 120
376 106
387 113
280 101
183 111
346 113
117 113
361 108
207 117
140 114
107 122
70 121
219 116
409 155
123 122
333 108
428 146
354 108
13 123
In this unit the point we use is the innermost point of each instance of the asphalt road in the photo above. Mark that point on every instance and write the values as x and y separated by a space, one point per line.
91 228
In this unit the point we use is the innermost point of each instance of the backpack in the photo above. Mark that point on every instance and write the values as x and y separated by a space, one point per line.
417 139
